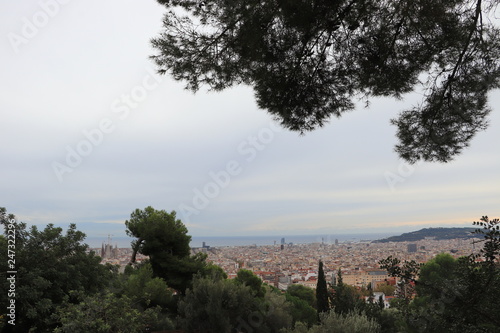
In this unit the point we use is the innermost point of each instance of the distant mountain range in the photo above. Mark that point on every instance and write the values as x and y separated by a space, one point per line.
437 233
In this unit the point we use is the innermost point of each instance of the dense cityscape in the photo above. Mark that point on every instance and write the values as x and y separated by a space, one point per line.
283 264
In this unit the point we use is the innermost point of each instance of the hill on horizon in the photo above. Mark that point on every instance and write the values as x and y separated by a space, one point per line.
437 233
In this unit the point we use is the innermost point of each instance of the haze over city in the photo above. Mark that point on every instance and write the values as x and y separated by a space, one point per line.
90 133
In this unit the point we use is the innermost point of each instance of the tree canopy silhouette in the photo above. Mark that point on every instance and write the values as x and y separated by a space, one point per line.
52 268
310 60
161 236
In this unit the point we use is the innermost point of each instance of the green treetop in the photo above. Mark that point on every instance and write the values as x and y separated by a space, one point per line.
162 237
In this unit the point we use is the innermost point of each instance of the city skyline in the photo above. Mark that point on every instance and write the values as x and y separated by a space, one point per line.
90 133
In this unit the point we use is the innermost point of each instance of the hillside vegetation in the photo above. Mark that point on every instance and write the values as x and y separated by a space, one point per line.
437 233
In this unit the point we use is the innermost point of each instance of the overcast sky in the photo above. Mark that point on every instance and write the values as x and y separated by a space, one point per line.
89 133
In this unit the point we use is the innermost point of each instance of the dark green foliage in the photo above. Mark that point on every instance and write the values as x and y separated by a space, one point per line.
391 321
301 311
157 231
437 233
339 280
304 293
248 278
276 312
344 298
216 306
108 313
308 60
441 268
491 234
213 271
52 268
146 291
162 237
177 272
135 301
455 295
381 303
353 322
223 306
322 302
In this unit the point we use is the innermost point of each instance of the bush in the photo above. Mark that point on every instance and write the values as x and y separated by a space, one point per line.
331 322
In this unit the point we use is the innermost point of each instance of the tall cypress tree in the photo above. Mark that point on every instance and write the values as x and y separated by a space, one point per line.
340 281
321 291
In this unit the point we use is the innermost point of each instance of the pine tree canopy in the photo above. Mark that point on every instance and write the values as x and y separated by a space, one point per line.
310 60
